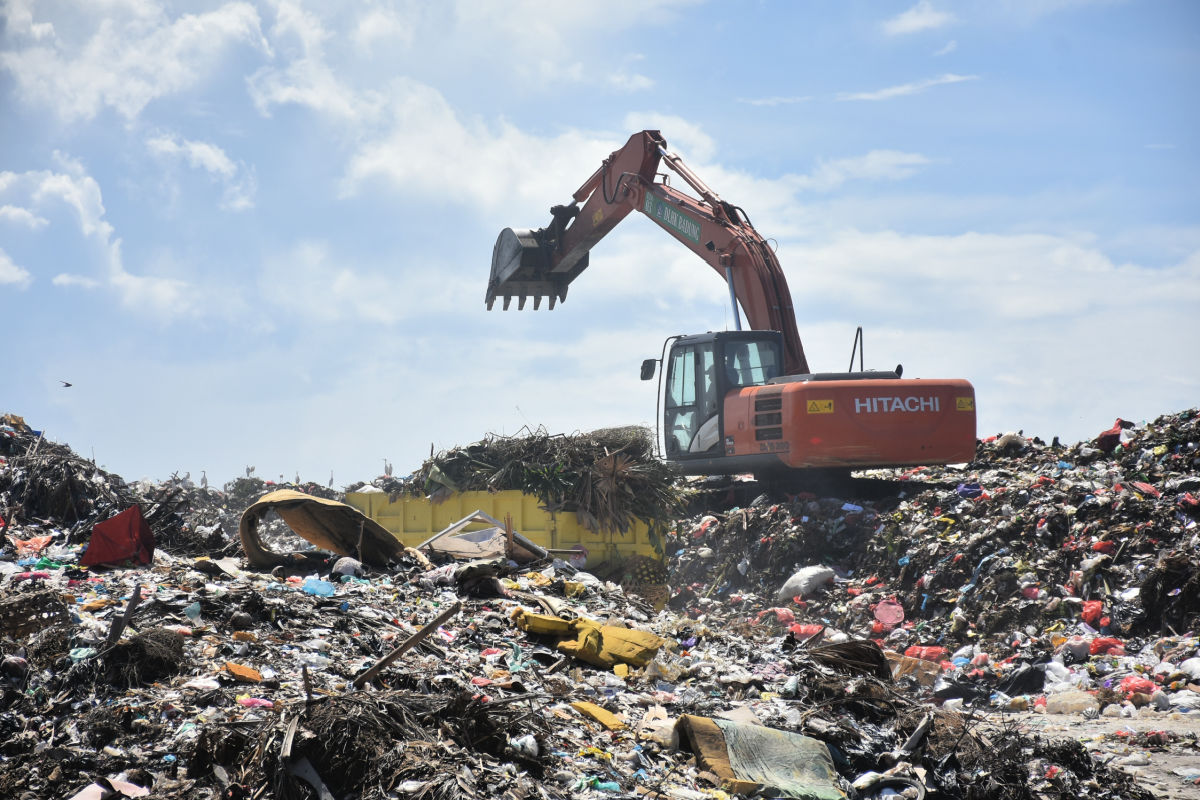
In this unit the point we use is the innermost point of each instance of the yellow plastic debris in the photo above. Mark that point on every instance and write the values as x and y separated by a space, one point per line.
97 604
608 645
542 624
537 579
605 718
595 752
590 641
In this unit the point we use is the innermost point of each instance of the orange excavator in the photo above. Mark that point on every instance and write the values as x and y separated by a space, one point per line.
742 400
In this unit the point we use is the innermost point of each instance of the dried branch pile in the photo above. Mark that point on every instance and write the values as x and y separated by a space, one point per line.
371 745
609 477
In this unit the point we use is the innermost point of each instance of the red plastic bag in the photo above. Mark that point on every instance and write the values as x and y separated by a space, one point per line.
1110 438
1092 609
1107 646
935 654
782 615
805 631
1136 683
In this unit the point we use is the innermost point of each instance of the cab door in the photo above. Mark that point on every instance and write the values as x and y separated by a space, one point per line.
691 411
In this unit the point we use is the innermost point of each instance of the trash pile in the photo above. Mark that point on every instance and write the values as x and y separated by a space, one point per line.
608 477
815 648
1043 577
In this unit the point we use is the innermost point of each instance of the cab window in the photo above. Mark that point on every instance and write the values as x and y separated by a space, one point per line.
691 395
751 363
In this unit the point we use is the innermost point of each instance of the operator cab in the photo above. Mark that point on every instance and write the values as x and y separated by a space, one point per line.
700 371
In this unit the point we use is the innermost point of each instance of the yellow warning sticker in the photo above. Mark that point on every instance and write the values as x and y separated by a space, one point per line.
599 215
820 406
964 404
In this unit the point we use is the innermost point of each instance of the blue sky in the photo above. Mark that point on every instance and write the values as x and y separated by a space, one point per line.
259 233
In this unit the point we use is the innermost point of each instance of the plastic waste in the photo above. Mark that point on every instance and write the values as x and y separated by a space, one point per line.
526 745
930 653
1191 667
318 587
1106 646
804 582
1072 702
253 702
347 566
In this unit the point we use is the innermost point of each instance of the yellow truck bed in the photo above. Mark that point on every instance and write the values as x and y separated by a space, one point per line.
414 519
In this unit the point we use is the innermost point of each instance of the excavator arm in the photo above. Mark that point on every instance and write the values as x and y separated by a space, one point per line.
542 263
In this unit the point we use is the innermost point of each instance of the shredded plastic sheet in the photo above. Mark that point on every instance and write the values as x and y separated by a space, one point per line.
748 756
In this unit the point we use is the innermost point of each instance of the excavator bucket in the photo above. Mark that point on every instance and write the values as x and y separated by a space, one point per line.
521 269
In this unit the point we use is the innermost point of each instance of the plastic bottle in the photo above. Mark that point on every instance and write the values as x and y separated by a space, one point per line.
315 660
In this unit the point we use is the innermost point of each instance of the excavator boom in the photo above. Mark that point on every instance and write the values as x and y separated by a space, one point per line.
540 264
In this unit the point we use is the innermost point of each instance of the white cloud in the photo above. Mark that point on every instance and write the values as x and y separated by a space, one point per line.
875 165
119 56
947 48
995 278
159 296
541 39
239 183
305 77
16 215
239 195
533 44
11 274
921 17
77 189
201 155
314 284
18 19
383 25
73 188
907 88
427 150
82 281
774 101
630 82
